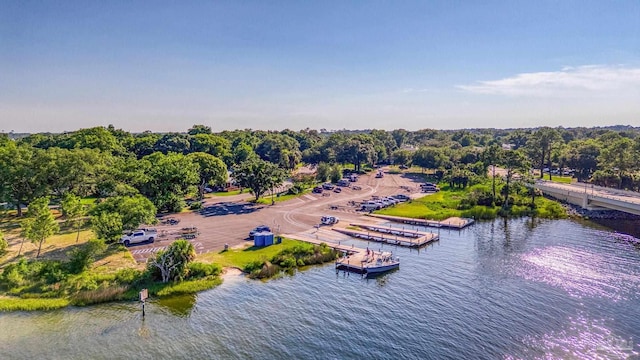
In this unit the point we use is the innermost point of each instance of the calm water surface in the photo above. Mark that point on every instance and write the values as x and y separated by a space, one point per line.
497 290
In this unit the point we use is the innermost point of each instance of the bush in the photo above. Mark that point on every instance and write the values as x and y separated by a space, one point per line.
196 205
180 252
81 258
201 270
129 276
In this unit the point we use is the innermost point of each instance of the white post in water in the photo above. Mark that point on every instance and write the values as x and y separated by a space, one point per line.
144 294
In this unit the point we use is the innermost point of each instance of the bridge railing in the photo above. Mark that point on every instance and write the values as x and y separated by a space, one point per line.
590 195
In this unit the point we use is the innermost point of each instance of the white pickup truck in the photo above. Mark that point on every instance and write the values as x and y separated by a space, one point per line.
139 236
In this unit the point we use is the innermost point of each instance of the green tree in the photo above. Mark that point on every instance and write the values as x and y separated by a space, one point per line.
429 158
73 211
3 244
210 169
336 173
132 211
619 157
21 176
322 171
172 263
513 161
259 176
490 157
107 226
401 157
40 224
199 129
168 180
540 146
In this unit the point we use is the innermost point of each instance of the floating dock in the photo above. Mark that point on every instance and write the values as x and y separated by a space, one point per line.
450 223
394 231
398 239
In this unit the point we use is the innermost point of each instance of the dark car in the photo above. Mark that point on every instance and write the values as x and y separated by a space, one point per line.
317 190
258 229
328 186
337 190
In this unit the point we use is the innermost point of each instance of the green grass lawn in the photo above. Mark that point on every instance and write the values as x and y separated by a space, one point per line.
267 198
558 179
437 206
241 257
230 193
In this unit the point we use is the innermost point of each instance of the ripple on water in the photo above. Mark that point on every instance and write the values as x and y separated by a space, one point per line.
582 338
582 272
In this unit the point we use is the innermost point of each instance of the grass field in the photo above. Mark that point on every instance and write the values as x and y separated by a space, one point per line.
231 193
241 257
559 179
437 206
267 198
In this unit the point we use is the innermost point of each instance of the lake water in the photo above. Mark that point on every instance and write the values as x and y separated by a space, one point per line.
514 289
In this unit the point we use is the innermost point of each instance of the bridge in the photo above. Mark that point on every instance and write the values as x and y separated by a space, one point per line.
592 197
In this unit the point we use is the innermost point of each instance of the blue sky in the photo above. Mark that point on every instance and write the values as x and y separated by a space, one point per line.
165 66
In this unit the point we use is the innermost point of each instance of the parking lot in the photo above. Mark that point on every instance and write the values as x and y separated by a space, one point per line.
228 220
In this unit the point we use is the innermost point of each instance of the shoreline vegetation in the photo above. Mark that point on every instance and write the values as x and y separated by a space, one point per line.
476 201
29 285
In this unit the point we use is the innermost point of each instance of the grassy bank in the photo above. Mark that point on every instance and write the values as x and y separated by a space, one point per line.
271 260
470 203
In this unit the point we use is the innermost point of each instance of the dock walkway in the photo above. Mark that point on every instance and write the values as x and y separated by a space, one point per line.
450 223
397 240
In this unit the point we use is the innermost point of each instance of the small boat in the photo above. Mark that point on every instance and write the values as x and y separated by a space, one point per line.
381 265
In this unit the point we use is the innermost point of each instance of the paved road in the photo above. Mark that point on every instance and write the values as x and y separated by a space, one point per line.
622 195
228 220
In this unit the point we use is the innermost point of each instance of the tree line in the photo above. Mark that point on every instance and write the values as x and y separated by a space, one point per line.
106 162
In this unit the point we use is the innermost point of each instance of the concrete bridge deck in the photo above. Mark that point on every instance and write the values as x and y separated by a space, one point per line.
592 197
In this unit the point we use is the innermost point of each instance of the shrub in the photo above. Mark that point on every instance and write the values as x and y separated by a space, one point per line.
200 270
129 276
81 258
171 264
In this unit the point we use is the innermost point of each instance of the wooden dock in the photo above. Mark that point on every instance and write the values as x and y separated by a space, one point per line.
393 231
450 223
394 240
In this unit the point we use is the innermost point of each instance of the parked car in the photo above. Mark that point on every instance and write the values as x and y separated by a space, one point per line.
329 220
337 190
392 199
353 177
258 229
344 182
369 206
379 174
328 186
317 190
139 236
401 197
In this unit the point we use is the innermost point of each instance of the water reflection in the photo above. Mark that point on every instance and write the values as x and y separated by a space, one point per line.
180 305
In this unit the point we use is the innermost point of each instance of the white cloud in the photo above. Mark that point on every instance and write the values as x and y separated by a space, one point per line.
570 81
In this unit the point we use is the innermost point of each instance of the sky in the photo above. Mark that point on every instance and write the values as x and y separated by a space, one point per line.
271 65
